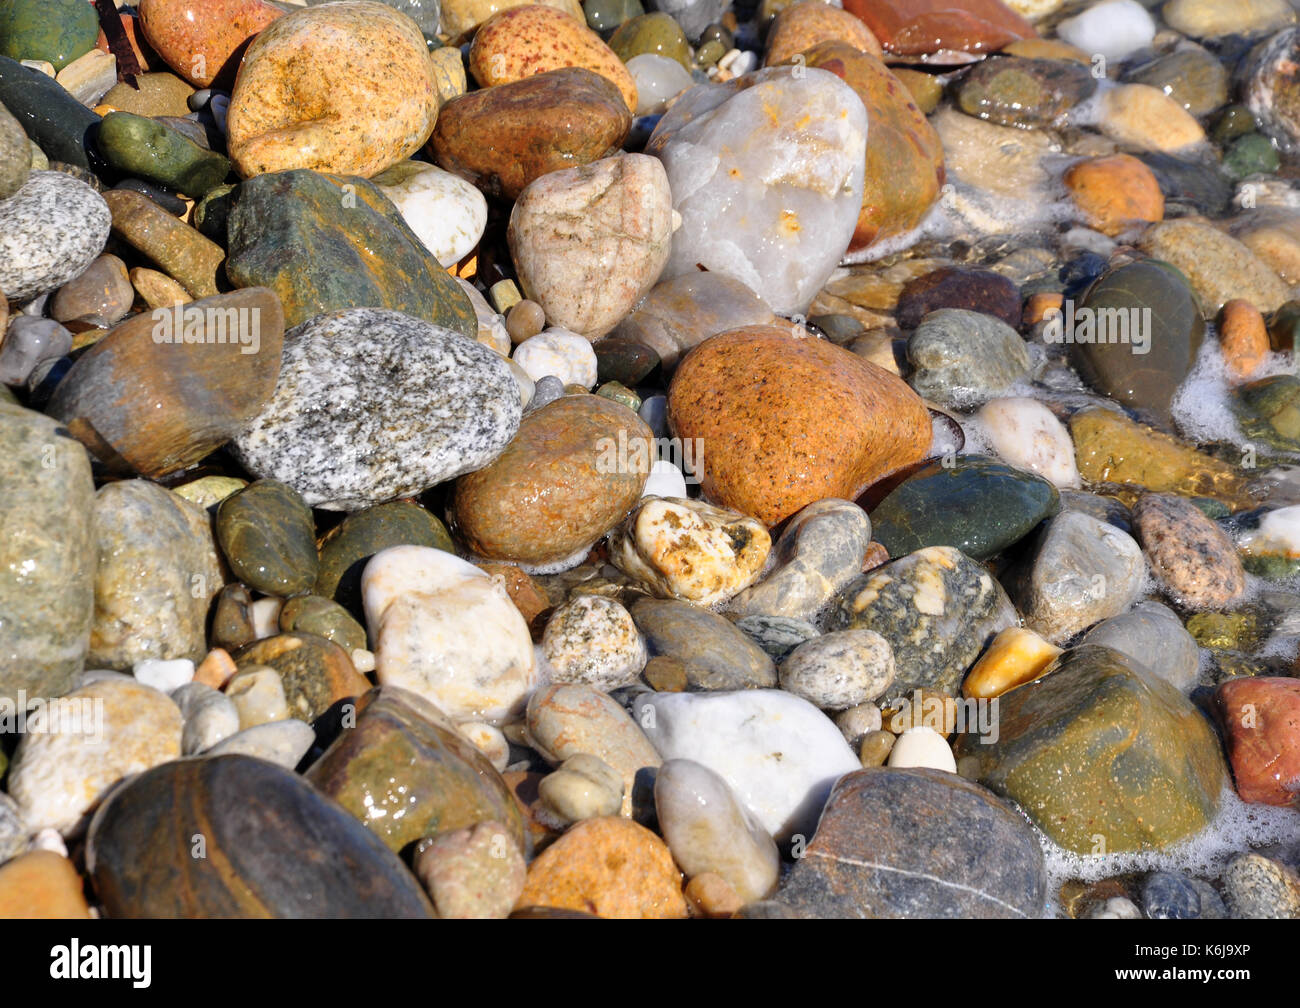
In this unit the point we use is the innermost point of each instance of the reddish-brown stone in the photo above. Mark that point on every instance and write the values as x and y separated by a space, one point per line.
904 169
1261 722
502 138
785 420
203 40
929 27
959 287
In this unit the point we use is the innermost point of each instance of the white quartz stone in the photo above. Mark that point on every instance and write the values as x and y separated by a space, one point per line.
658 80
558 352
164 674
779 753
447 213
767 174
488 740
666 480
446 630
1114 29
491 326
1026 434
922 746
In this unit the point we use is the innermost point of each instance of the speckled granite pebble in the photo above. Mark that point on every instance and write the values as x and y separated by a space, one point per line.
50 231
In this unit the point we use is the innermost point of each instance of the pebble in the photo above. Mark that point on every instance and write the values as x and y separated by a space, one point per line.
183 254
15 154
446 212
678 548
1191 76
489 740
1116 193
1152 635
164 675
210 716
1145 117
1025 434
57 31
1203 19
906 28
29 343
666 480
1078 572
268 537
93 738
922 746
100 296
258 695
1114 29
799 26
839 670
1169 896
608 866
1218 266
1194 559
658 81
315 673
159 94
584 787
1012 91
1259 888
718 149
454 402
41 885
416 602
710 652
777 752
1259 720
461 16
1014 657
51 230
200 41
558 352
594 641
471 874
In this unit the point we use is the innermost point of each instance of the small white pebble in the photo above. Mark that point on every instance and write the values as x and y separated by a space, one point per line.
489 741
558 352
49 840
666 480
265 614
922 747
164 674
363 661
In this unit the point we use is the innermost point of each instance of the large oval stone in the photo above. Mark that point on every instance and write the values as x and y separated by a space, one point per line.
275 848
166 388
267 534
502 138
346 87
62 127
50 231
56 31
884 848
976 503
423 405
1099 751
203 40
1136 335
574 470
314 240
756 399
47 556
904 157
406 773
766 171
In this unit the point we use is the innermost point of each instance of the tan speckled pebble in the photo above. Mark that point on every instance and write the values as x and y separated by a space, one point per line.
1190 554
348 88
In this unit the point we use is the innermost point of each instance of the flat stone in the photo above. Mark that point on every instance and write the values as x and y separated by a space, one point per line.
961 287
1259 717
1219 267
713 653
938 32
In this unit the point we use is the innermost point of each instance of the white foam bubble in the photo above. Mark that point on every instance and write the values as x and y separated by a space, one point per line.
1236 828
1201 407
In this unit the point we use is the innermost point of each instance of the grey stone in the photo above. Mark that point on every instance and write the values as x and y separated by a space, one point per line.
777 635
964 358
50 231
373 405
47 555
210 716
15 154
546 390
1259 888
283 742
840 670
1152 635
715 654
29 342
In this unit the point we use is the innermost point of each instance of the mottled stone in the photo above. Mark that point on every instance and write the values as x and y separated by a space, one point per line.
686 549
15 154
425 406
573 471
204 42
610 867
839 670
680 313
55 31
47 555
315 673
372 88
613 217
1219 267
472 874
1079 571
312 237
883 850
766 204
406 773
820 550
89 740
1028 93
756 397
801 25
323 618
1270 88
1085 784
971 290
713 653
1266 411
461 16
936 607
594 641
51 229
312 859
521 41
166 388
1194 559
1260 888
158 569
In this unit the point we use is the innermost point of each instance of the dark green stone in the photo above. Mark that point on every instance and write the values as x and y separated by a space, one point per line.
57 31
1202 187
606 15
1272 566
1252 154
654 33
1268 410
977 504
324 618
407 773
234 837
1147 313
623 360
268 536
136 145
1013 91
328 242
212 213
61 126
1103 755
347 548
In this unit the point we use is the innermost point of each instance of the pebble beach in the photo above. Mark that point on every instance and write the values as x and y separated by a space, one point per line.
649 459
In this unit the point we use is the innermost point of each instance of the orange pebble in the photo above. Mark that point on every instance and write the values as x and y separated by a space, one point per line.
1243 336
216 669
1115 193
1038 305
